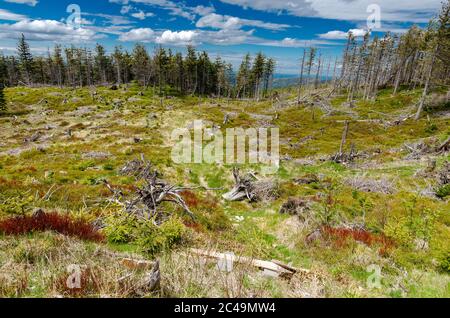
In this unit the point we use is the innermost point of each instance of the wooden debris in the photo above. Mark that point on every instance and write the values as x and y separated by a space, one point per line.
137 264
445 146
35 137
251 188
152 280
146 200
308 179
277 267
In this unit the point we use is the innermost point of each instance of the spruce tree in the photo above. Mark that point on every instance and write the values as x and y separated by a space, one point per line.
2 98
25 59
3 78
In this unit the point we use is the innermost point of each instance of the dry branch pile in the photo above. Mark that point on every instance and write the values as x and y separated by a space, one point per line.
426 147
317 100
146 201
370 185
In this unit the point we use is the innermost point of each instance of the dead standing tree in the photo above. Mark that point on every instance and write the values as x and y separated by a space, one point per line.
145 202
341 156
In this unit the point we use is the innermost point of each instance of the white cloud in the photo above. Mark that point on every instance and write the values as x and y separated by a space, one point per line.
138 35
181 38
177 8
202 10
218 21
356 10
28 2
10 16
112 19
225 37
141 15
147 35
47 30
341 35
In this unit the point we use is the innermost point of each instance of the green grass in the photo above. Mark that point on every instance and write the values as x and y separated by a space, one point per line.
263 233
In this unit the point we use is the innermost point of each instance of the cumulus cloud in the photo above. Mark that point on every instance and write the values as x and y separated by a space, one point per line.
341 35
177 38
10 16
218 21
47 30
28 2
216 37
138 35
146 35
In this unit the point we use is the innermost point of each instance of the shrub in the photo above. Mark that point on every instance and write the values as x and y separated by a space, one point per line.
443 192
153 239
42 222
16 206
431 128
148 236
120 228
445 263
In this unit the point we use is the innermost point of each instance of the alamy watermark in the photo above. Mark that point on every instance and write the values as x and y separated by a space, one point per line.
374 279
74 19
74 279
237 146
374 19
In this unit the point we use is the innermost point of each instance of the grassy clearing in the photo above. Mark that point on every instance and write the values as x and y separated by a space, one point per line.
61 172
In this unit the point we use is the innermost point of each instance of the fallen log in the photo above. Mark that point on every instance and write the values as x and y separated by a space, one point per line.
276 267
137 264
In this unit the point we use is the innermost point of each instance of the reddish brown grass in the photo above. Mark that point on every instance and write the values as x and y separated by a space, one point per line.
197 227
341 236
62 224
190 198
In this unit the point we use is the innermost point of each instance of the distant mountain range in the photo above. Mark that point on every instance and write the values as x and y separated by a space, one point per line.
286 80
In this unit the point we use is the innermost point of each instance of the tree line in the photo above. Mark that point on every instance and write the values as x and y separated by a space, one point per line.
195 73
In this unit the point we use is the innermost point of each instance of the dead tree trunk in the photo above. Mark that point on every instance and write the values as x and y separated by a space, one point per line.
344 138
300 82
425 90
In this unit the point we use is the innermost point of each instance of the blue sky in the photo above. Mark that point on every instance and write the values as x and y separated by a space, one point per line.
229 28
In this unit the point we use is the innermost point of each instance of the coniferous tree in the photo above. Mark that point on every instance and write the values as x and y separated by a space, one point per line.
243 77
2 98
25 60
257 73
3 78
269 69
